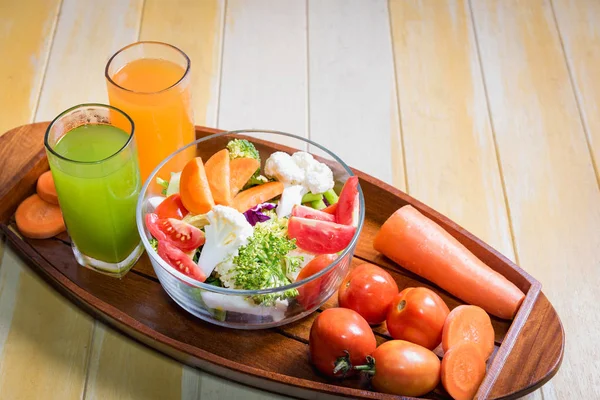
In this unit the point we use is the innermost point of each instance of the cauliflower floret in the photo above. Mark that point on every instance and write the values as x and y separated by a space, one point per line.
291 196
226 273
304 160
227 230
282 167
319 178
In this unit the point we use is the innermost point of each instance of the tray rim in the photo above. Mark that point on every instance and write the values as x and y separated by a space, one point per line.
148 336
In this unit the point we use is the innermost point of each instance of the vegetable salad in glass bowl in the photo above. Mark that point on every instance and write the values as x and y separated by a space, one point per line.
251 234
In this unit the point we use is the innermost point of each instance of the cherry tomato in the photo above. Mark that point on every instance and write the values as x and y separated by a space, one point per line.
178 233
404 368
417 315
340 336
171 207
346 212
368 290
321 237
310 293
180 261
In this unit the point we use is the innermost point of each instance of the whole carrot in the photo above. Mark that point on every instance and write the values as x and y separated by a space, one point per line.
425 248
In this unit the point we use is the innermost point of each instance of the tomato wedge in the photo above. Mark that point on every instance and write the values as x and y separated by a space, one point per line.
180 261
311 213
177 233
171 207
346 212
320 237
309 293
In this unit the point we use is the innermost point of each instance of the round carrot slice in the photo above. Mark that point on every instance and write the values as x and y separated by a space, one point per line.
38 219
463 370
46 189
468 323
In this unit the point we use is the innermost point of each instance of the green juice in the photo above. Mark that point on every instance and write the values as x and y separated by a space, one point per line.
98 193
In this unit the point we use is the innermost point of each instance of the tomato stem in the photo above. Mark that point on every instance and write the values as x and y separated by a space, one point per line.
343 364
368 368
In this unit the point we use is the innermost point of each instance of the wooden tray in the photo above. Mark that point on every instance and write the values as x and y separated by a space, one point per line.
528 351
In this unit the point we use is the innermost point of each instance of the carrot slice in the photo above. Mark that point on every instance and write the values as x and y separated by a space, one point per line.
194 188
330 209
463 370
242 170
45 188
38 219
469 324
217 172
258 194
425 248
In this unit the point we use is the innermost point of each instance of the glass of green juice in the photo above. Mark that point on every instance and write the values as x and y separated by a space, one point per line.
93 159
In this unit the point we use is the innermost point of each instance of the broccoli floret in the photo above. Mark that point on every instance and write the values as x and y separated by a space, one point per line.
263 262
241 148
154 244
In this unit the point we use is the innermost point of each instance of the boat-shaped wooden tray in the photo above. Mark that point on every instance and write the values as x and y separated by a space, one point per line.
528 351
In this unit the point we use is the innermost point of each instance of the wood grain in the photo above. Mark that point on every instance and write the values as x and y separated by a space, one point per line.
351 87
26 32
75 71
550 183
138 305
264 80
450 155
579 28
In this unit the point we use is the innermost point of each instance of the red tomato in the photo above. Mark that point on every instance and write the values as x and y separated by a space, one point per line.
340 334
405 369
321 237
171 207
178 233
417 315
309 293
180 261
368 290
346 212
311 213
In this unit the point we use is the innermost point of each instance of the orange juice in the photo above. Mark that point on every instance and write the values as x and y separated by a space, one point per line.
156 95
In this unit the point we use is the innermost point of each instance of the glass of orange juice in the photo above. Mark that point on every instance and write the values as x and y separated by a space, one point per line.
150 81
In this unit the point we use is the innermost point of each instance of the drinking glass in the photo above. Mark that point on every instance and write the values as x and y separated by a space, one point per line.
92 156
150 81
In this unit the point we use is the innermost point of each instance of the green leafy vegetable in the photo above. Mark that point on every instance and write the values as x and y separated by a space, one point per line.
154 244
163 183
262 263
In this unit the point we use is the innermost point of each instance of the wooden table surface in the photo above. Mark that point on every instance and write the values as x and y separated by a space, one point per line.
486 110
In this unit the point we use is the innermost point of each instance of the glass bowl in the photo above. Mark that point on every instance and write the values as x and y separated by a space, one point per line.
230 307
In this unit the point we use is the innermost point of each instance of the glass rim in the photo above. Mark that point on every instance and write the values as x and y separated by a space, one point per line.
88 105
349 250
151 42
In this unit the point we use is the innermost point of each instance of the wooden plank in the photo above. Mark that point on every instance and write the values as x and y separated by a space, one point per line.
579 28
26 32
352 88
199 34
46 340
264 78
550 183
76 67
450 156
121 368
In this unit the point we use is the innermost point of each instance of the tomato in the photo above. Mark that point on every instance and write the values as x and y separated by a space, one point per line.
311 213
368 290
404 368
321 237
310 293
171 207
178 233
340 336
417 315
346 212
180 261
